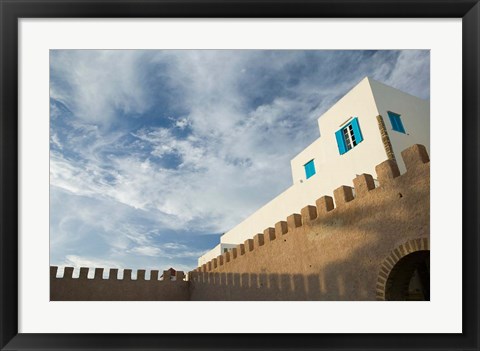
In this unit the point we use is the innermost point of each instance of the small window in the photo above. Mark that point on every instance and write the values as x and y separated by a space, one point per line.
349 136
309 169
396 122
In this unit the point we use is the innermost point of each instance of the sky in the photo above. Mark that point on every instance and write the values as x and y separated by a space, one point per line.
155 153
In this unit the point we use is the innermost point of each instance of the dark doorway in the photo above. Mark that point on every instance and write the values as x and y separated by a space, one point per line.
409 280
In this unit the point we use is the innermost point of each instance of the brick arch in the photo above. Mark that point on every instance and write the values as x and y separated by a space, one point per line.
414 245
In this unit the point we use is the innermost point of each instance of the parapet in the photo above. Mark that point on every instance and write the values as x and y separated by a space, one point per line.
415 158
79 287
68 274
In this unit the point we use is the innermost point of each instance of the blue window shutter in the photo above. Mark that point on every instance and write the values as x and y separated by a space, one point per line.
400 125
309 169
393 120
342 148
396 121
356 130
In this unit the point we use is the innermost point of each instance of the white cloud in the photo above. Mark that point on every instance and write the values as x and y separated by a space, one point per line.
146 250
97 84
182 123
412 73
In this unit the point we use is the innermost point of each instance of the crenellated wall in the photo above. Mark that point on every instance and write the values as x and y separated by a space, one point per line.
68 288
344 248
327 251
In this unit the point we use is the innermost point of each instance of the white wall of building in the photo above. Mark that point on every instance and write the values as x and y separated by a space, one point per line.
365 101
414 113
332 168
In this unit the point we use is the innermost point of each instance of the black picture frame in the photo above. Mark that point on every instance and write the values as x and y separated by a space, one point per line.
11 11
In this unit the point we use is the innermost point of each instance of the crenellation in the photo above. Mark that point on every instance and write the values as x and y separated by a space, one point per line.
154 275
53 271
342 195
387 171
113 274
415 156
167 276
281 228
83 273
215 262
220 260
234 252
269 234
114 289
258 240
127 274
141 274
363 183
241 249
98 274
68 273
324 205
180 276
226 256
309 213
249 245
294 221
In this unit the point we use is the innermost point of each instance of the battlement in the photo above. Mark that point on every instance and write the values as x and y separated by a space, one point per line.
112 288
113 275
388 176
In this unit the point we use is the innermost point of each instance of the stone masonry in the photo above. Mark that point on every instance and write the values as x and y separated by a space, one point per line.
385 138
346 248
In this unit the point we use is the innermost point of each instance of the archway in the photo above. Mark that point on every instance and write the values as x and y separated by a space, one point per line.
410 278
405 273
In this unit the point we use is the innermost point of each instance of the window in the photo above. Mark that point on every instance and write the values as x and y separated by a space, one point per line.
349 136
309 169
396 122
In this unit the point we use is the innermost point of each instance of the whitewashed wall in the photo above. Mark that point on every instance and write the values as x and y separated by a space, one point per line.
414 113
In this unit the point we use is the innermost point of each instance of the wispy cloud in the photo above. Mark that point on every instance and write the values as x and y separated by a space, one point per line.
97 85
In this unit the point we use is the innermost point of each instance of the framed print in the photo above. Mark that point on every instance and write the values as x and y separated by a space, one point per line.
220 175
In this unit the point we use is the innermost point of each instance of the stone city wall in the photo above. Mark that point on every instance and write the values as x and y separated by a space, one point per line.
331 252
347 249
82 288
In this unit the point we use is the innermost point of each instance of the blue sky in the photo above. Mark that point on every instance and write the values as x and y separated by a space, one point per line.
155 153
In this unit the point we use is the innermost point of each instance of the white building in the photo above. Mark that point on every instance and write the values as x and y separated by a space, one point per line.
350 144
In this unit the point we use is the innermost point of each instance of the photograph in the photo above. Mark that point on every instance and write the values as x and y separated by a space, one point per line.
246 175
239 175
